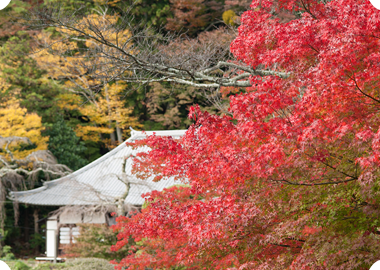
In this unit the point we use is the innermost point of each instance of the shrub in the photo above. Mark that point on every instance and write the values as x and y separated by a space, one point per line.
88 264
7 254
95 240
19 265
50 266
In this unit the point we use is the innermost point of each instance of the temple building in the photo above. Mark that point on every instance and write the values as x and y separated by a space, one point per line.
91 193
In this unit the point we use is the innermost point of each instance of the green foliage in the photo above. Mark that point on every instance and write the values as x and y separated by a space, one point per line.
167 105
3 236
137 99
19 265
65 145
15 9
28 82
93 150
37 240
7 255
70 264
50 266
15 234
150 13
17 6
80 7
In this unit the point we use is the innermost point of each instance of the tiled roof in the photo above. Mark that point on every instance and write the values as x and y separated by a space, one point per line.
97 183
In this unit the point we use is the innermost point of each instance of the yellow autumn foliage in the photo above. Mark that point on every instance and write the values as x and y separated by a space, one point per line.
106 113
16 122
64 58
229 17
107 2
69 101
91 133
99 101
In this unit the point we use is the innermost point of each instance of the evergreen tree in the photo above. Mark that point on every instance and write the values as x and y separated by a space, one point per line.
65 145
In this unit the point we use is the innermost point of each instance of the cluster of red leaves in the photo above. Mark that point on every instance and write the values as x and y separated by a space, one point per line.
291 181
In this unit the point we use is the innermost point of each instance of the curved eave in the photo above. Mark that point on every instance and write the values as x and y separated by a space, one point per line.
57 192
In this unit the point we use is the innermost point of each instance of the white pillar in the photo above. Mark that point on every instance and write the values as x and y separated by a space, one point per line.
51 237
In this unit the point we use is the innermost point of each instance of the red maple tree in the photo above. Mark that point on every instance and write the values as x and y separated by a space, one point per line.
291 180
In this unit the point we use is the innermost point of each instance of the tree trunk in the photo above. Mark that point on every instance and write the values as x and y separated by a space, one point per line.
113 137
26 226
35 217
119 134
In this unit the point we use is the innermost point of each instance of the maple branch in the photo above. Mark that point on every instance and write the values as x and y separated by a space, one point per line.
335 169
314 184
360 90
314 49
295 239
348 218
280 245
308 9
331 166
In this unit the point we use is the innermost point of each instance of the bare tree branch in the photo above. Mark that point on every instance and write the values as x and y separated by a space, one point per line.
145 57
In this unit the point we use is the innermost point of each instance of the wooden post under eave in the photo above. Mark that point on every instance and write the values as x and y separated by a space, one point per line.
35 217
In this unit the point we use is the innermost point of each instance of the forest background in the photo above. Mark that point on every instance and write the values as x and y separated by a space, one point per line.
50 101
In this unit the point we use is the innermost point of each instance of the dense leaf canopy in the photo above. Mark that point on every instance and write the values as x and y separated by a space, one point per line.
291 180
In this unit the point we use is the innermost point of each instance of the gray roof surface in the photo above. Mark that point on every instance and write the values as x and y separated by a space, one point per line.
97 182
